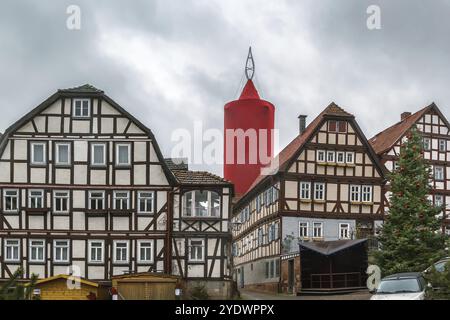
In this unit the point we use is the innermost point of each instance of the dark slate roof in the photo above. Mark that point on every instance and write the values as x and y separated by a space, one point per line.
86 88
177 163
328 248
199 178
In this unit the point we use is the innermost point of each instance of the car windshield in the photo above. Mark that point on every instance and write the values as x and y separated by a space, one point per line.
440 266
398 286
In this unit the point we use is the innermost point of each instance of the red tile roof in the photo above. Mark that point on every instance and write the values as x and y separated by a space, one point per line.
289 151
386 139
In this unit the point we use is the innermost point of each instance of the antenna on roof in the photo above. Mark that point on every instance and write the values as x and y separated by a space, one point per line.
250 65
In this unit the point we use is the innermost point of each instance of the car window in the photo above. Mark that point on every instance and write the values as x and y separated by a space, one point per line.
440 266
399 286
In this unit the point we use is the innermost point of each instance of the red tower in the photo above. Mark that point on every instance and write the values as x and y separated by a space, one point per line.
244 158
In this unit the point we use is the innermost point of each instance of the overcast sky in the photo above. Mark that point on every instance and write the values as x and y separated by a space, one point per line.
170 63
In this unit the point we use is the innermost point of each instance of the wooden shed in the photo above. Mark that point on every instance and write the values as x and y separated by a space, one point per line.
146 286
60 287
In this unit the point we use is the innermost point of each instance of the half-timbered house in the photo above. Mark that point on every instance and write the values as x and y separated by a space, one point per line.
328 186
85 190
201 239
435 130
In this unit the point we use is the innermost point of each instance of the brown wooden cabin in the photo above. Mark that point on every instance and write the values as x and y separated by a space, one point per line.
326 266
146 286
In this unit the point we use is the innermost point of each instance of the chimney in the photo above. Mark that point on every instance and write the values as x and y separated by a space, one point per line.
405 115
302 123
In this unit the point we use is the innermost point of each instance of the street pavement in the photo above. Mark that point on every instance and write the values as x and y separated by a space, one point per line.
256 295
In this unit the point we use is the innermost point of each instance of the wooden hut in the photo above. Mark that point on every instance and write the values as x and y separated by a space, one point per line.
146 286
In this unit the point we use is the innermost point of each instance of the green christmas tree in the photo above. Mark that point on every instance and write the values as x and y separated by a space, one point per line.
15 290
411 237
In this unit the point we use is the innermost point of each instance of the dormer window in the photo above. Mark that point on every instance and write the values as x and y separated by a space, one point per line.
81 108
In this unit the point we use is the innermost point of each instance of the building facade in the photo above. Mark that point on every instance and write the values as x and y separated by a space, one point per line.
435 129
329 186
86 190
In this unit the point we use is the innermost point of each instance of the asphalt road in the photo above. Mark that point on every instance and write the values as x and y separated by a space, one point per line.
253 295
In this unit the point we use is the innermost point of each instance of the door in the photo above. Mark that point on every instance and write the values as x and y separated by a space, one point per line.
291 276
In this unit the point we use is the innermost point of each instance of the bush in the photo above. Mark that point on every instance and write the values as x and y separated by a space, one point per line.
440 283
199 292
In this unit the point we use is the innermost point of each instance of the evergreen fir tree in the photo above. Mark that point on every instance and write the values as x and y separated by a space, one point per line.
15 290
411 237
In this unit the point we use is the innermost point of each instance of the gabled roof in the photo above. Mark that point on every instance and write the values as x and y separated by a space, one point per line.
90 91
65 277
286 157
386 139
85 88
293 147
328 248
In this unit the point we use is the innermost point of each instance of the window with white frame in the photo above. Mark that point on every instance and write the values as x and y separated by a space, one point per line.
36 199
331 156
61 201
317 229
120 251
97 200
305 190
258 202
438 173
438 200
355 193
319 191
260 236
38 153
269 196
271 232
10 200
123 154
62 154
340 157
146 201
366 194
81 108
201 203
98 154
145 251
303 229
442 145
196 250
61 251
344 231
37 250
350 157
121 200
96 251
426 143
321 156
12 250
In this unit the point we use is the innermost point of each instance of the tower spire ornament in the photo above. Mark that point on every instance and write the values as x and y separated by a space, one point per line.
250 65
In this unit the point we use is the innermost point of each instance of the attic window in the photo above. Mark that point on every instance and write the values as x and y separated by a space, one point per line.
81 108
337 126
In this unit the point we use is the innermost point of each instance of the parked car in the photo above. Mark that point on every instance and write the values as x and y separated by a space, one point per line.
440 265
401 286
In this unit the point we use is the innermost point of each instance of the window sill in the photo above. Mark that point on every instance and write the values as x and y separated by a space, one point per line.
306 200
145 214
96 264
362 203
144 263
37 263
196 261
62 263
63 166
10 213
38 165
319 201
37 210
122 166
125 212
12 262
200 218
96 212
351 165
121 264
98 166
62 214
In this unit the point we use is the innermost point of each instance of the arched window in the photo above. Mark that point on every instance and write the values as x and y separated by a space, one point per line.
201 204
